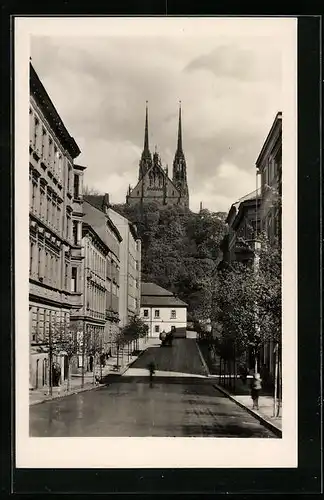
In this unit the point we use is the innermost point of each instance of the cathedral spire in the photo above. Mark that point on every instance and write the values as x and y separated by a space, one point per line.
146 158
179 147
146 138
179 174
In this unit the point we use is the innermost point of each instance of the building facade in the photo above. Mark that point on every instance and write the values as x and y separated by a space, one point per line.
161 310
243 225
130 268
96 214
154 184
91 317
51 217
269 168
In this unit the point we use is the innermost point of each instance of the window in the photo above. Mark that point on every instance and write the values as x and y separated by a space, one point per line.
50 150
55 159
66 276
157 313
69 177
58 212
75 232
74 279
36 126
44 143
31 257
76 186
157 328
34 192
173 314
40 270
146 313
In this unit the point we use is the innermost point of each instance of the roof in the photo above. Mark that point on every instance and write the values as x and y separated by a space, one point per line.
38 91
88 228
161 301
98 220
277 124
155 295
98 202
153 289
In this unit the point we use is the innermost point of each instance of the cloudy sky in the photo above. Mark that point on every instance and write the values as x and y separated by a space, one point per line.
230 88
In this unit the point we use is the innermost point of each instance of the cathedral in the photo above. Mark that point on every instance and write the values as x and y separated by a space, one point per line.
154 183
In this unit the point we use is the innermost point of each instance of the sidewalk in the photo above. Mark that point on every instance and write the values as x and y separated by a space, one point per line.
265 412
39 395
241 395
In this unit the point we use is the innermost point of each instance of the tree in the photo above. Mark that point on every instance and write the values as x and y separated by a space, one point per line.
134 330
248 303
179 250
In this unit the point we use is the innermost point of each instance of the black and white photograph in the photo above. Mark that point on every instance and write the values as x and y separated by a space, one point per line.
156 247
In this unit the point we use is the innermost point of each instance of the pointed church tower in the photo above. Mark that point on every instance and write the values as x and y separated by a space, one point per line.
179 176
146 158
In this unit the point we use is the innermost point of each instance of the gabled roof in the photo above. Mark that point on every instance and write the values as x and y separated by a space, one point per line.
155 295
160 301
153 289
164 175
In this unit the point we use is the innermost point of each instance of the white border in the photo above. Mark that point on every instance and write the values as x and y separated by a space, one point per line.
157 452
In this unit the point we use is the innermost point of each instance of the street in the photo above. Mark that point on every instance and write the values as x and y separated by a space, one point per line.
181 403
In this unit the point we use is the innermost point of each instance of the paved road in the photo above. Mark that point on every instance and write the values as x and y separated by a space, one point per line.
182 357
178 404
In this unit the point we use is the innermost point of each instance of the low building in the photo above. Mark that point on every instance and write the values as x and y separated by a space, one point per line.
161 310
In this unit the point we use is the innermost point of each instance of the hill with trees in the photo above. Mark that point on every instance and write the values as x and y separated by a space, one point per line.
180 250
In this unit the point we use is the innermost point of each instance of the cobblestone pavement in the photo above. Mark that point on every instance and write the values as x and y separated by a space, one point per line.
176 405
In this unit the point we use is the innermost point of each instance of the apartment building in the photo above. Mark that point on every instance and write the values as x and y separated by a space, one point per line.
53 213
130 268
269 168
96 214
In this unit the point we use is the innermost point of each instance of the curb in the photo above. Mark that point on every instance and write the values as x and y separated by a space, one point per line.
203 360
60 396
134 361
262 420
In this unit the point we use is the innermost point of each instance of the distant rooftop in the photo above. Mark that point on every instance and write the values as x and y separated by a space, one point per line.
155 295
153 289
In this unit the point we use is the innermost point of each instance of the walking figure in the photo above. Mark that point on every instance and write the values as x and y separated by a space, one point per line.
151 368
256 385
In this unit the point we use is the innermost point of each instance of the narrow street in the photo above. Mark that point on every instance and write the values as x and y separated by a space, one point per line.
181 402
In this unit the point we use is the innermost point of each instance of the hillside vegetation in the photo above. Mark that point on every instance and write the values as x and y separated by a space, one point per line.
179 251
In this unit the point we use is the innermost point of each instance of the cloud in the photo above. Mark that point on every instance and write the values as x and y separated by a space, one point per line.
230 91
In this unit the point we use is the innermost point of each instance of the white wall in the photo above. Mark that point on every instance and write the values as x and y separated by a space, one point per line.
164 322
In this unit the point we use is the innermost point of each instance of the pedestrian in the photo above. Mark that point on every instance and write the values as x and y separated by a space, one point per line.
256 386
163 336
151 368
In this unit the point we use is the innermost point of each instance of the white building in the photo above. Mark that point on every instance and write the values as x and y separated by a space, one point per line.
161 310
